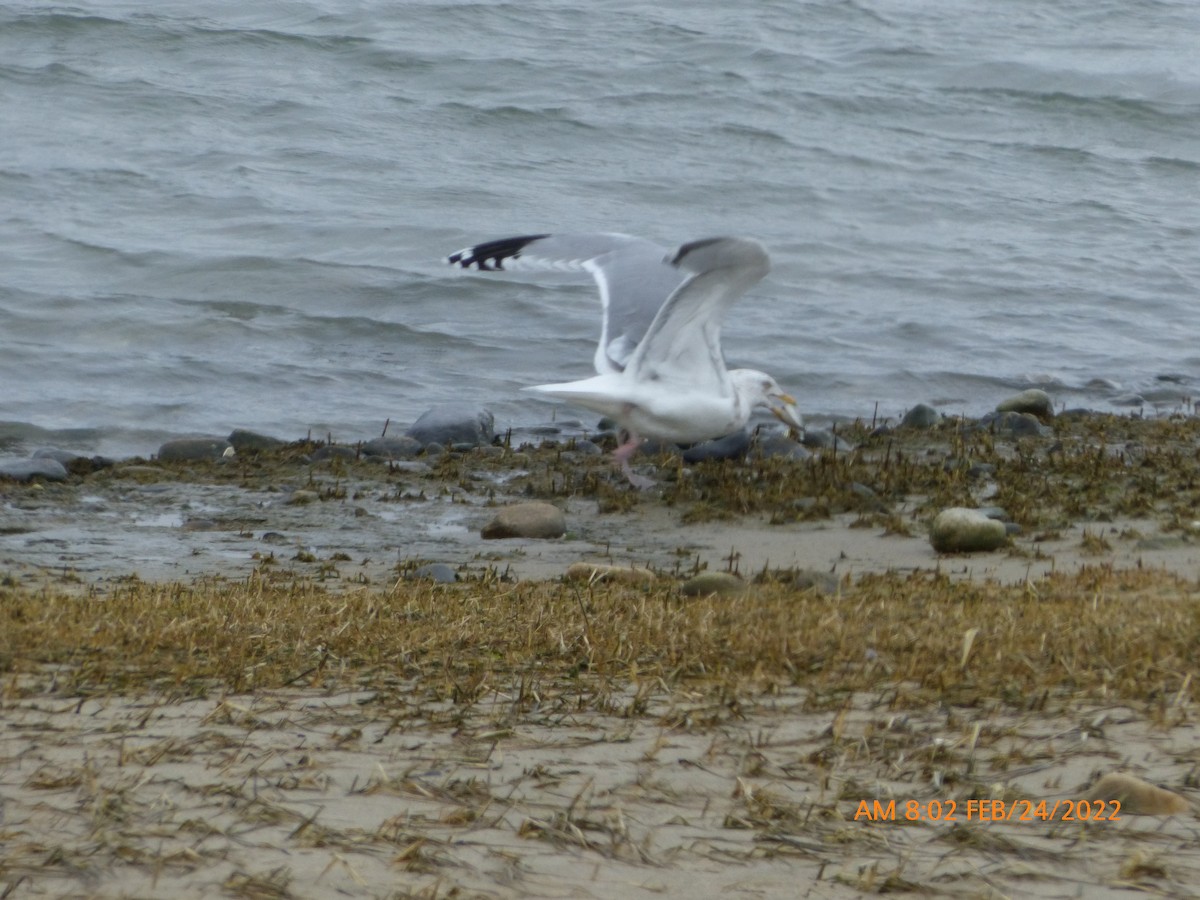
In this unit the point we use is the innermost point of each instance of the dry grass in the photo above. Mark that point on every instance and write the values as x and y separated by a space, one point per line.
921 638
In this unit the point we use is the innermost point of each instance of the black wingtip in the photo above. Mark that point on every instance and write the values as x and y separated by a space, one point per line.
490 256
722 252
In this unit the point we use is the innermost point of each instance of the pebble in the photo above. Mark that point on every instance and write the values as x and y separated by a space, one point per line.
333 451
592 572
962 530
31 469
447 425
869 498
1137 797
780 446
1034 401
244 441
820 439
806 579
439 573
921 416
192 449
706 584
1015 424
535 519
403 447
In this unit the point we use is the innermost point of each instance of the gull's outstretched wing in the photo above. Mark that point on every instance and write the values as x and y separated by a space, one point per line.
634 277
683 343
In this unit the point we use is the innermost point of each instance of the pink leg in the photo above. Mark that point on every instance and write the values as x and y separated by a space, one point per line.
622 454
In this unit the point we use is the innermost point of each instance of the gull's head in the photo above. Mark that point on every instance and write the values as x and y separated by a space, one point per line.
760 389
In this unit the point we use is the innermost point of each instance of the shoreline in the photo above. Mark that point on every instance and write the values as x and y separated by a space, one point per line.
336 513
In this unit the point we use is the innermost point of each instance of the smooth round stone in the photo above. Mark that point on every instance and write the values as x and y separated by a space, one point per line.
868 496
1016 424
527 520
806 579
963 530
706 584
31 469
593 572
449 425
439 573
1034 401
820 439
779 446
732 446
921 416
193 449
244 441
403 447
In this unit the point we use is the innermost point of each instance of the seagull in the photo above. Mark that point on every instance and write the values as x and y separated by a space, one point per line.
660 370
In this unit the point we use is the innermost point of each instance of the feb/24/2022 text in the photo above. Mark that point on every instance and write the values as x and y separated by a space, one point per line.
984 810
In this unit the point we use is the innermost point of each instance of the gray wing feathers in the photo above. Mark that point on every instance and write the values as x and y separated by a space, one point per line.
685 337
633 275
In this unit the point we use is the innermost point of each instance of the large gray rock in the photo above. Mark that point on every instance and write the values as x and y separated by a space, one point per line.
242 441
43 468
451 425
527 520
732 446
962 530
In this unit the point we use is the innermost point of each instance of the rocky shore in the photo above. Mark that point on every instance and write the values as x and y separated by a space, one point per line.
1015 494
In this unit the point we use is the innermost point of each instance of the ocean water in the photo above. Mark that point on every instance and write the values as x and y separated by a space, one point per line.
218 215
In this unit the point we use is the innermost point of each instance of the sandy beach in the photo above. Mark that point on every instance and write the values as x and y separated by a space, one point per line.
220 679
